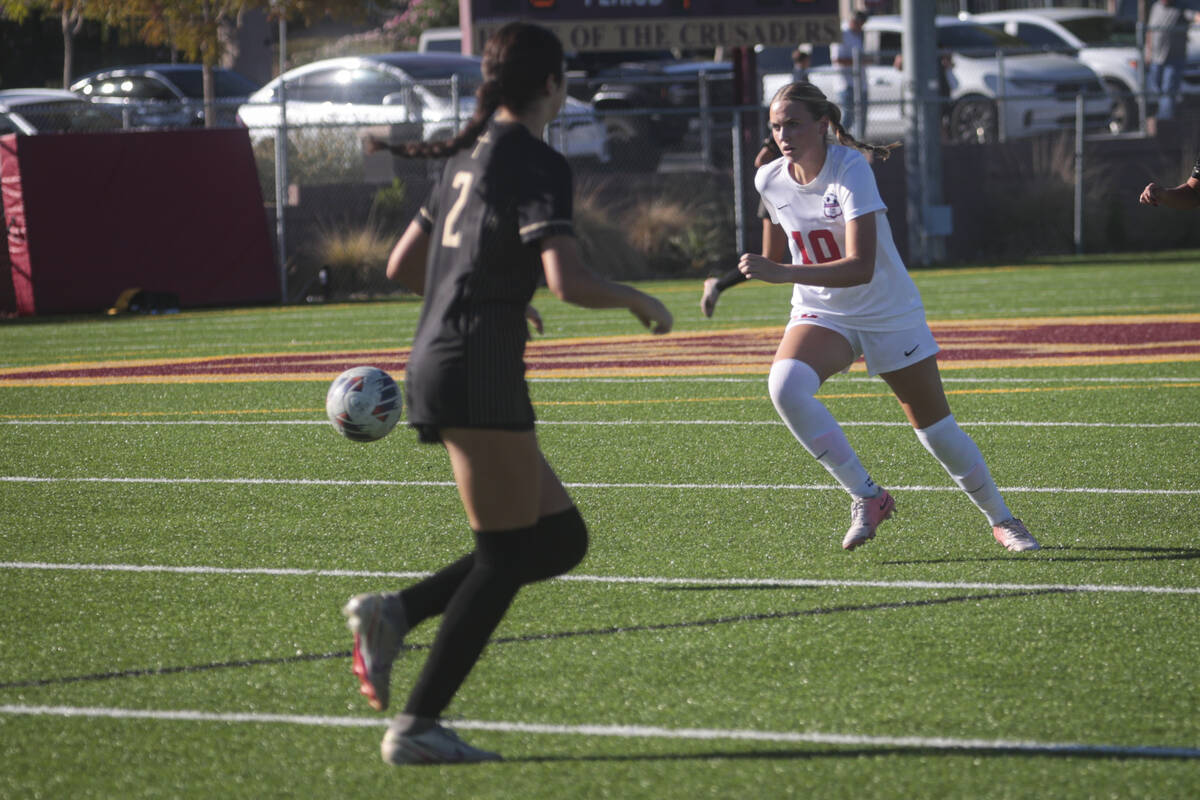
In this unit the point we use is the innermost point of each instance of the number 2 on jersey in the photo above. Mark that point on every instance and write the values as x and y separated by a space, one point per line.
824 246
451 237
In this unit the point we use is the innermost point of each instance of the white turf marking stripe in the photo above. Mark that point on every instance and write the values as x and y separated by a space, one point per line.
612 579
621 422
165 422
811 487
761 378
622 731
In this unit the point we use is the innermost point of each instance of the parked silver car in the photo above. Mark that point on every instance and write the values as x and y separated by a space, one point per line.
32 111
412 93
165 95
1106 43
987 93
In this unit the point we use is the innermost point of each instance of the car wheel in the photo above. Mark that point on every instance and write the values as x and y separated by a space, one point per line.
630 144
974 120
1124 115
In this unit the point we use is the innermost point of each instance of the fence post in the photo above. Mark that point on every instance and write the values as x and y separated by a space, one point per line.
454 100
739 194
1079 118
1000 95
281 167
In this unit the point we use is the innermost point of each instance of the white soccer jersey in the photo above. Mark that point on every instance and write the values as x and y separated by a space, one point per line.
814 216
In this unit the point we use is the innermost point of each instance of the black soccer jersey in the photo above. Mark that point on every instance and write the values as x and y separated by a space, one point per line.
492 206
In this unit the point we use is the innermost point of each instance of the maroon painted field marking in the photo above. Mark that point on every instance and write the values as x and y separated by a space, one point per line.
1064 341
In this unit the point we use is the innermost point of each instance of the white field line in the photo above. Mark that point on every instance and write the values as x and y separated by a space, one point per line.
620 422
625 731
863 379
804 487
613 579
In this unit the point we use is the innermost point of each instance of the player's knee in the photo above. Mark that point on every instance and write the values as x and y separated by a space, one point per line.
559 542
791 381
554 545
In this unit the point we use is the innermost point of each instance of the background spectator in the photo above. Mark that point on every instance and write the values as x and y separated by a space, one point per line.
1166 54
847 54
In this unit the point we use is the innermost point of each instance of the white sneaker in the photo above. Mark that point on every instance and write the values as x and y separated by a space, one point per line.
437 745
376 643
1013 535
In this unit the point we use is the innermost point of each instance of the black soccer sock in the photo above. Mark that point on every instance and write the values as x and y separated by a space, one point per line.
503 561
552 547
429 597
478 605
731 278
555 545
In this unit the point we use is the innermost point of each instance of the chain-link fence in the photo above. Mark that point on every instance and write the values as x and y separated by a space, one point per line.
653 161
663 163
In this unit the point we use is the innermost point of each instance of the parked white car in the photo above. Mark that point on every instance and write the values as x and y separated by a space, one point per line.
1106 43
1027 93
411 93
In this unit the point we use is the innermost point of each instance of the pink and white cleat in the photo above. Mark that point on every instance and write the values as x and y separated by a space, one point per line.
377 642
865 516
1014 536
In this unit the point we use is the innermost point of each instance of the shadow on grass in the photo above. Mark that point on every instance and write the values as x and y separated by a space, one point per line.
540 637
1073 751
1066 553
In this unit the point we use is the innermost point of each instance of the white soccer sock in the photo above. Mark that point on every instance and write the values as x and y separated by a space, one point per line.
793 386
959 454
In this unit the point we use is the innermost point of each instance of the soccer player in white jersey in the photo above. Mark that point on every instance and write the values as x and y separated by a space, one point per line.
853 296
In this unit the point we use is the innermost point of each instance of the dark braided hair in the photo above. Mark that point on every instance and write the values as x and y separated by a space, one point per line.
517 59
821 107
768 152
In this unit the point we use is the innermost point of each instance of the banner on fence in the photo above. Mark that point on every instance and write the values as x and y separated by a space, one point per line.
664 24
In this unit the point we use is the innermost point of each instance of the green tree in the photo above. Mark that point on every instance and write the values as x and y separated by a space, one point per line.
194 26
72 13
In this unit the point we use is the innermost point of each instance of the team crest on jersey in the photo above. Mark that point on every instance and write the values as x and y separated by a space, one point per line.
830 206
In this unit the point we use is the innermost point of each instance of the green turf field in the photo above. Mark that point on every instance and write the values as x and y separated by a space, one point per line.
175 548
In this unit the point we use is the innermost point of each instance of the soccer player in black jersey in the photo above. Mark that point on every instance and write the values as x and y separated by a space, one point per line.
714 286
1184 196
496 223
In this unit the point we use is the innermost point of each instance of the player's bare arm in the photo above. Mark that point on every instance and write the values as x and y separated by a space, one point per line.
406 263
856 269
1182 197
572 282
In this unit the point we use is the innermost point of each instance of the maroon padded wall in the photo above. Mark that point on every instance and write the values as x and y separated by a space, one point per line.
8 300
93 214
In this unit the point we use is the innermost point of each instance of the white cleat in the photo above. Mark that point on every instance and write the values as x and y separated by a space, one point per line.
376 643
1014 536
437 745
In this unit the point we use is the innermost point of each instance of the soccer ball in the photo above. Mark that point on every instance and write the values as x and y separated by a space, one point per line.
364 404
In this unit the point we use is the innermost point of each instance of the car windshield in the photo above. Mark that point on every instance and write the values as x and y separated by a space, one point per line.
66 116
975 41
1103 30
226 83
435 76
